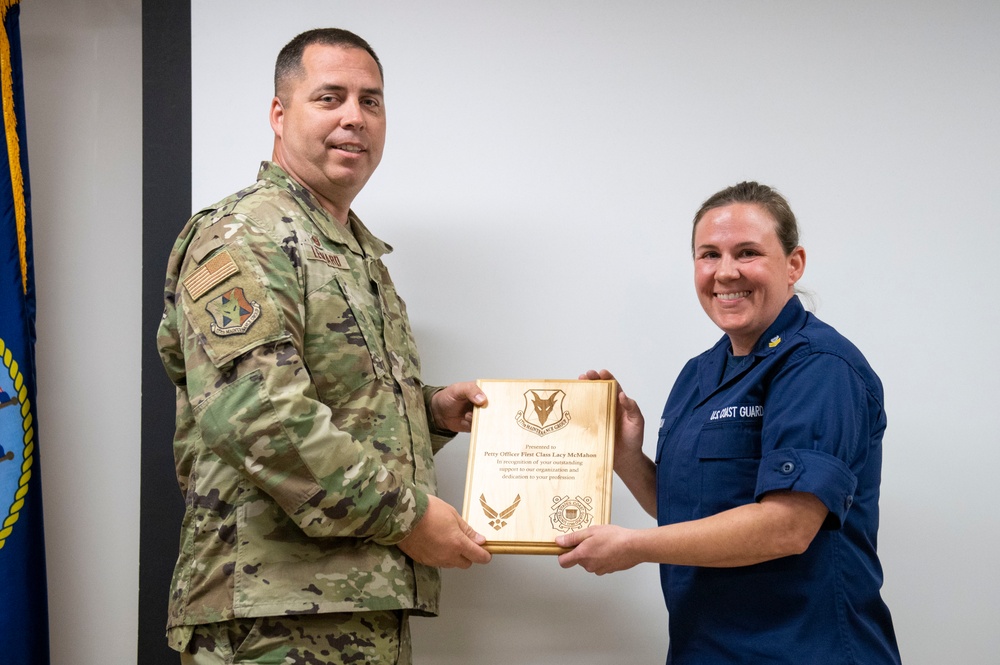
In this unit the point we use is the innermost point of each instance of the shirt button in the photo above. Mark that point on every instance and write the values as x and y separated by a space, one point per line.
787 468
850 501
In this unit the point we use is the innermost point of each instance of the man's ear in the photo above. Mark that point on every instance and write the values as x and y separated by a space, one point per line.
277 116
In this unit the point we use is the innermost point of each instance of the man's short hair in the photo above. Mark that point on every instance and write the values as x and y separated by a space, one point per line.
289 62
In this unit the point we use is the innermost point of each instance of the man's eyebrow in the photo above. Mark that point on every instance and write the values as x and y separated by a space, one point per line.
333 87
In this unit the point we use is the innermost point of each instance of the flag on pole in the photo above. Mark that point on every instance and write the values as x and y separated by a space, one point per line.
24 633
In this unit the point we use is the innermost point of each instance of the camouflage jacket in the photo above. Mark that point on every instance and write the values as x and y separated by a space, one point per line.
303 448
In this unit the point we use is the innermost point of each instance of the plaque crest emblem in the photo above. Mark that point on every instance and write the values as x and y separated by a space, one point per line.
571 514
232 313
498 520
543 412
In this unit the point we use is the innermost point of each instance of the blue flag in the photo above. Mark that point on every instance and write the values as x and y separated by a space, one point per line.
24 631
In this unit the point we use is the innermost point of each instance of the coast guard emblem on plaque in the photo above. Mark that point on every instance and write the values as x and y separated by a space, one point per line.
571 514
543 412
498 520
232 313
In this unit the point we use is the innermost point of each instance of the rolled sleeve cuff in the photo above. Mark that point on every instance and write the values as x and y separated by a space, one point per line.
409 510
824 476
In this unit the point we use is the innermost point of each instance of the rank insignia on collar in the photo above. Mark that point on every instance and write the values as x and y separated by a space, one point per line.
232 313
775 341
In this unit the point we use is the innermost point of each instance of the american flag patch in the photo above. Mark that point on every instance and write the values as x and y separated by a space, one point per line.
214 271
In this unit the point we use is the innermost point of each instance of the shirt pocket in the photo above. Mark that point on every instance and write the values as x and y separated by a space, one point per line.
342 342
663 444
728 460
401 350
661 439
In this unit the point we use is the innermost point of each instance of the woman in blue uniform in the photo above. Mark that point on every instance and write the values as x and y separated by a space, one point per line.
765 482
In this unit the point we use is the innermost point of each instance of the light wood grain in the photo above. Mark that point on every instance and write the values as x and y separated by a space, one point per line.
540 462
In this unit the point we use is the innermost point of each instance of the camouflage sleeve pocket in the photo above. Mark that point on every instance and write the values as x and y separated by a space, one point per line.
240 425
229 305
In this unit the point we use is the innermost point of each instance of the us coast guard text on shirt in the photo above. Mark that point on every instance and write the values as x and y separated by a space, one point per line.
744 411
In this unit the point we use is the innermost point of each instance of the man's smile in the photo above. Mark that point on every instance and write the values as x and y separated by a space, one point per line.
348 147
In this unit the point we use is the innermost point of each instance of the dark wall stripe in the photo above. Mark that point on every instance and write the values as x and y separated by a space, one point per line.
166 205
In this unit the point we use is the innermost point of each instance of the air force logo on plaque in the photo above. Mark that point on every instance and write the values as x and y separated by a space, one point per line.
543 412
498 519
232 313
571 514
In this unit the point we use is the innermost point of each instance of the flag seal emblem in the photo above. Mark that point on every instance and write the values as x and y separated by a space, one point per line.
15 425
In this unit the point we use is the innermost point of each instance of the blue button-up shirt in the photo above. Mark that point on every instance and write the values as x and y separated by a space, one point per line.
804 414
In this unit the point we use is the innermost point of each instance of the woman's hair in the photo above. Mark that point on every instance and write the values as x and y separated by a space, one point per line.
785 225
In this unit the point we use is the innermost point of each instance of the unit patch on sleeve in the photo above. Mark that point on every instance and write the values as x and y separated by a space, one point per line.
229 303
232 313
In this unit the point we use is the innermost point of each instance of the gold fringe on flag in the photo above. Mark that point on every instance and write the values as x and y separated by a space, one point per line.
13 147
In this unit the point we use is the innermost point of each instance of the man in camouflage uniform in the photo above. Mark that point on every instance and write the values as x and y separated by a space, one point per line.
304 435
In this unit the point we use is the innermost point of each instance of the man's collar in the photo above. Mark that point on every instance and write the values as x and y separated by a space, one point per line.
369 243
353 231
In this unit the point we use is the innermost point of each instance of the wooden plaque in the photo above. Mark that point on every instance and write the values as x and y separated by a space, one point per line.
540 462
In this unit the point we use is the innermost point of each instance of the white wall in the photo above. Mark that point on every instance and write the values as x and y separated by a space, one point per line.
544 160
82 79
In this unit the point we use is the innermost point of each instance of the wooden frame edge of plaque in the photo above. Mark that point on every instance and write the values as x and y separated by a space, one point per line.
530 487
